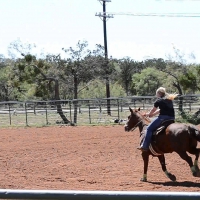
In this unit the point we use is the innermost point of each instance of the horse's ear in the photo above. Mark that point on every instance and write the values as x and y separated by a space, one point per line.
130 109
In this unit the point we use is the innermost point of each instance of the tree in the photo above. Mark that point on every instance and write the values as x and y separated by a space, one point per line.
5 85
172 69
17 47
107 69
147 82
189 80
127 67
8 91
31 70
78 68
97 89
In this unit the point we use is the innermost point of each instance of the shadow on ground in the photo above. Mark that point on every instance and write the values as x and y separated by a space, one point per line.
178 184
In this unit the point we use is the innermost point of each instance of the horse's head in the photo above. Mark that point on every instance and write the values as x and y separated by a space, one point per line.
133 119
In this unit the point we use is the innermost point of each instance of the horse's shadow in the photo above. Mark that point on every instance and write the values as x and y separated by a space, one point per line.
177 184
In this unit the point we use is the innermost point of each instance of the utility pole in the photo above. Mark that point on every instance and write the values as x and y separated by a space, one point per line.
104 18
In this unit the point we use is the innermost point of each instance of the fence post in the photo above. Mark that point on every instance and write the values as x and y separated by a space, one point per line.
135 104
34 106
70 111
118 109
46 114
89 114
100 108
190 104
9 113
144 102
26 114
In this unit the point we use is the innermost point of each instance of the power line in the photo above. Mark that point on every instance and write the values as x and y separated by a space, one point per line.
192 15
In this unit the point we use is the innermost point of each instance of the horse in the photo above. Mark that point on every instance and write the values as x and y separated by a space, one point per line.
174 137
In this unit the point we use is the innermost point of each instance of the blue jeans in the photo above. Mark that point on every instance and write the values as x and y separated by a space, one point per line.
152 127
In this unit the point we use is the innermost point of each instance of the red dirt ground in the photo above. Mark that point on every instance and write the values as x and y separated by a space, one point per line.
84 158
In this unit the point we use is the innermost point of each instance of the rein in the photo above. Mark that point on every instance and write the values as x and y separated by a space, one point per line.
140 122
136 125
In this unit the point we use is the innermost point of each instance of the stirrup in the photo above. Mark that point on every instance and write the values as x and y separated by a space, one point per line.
142 149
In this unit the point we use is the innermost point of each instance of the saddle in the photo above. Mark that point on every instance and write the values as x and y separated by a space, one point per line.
158 131
163 126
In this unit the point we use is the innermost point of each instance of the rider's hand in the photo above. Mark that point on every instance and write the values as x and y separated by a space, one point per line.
146 114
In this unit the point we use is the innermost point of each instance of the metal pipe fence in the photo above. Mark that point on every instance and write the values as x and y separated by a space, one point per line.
97 195
89 111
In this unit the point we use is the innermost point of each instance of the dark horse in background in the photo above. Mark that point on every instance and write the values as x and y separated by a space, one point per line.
171 137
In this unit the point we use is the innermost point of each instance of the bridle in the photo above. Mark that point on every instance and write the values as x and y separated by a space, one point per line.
139 123
136 125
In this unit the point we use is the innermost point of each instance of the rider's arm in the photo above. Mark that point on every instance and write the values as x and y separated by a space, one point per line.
153 112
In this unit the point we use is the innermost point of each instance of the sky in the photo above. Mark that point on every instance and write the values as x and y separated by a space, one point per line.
55 24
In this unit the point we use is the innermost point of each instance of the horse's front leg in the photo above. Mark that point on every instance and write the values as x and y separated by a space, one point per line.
163 165
197 151
145 156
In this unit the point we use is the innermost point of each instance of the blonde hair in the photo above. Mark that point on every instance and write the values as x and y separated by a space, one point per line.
162 92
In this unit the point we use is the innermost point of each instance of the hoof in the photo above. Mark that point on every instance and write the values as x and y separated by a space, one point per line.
172 177
196 174
196 168
143 179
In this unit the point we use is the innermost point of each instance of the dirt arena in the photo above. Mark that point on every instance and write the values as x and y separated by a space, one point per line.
84 158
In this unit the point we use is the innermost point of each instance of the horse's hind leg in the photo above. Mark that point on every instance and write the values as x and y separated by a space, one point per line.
163 165
196 152
188 159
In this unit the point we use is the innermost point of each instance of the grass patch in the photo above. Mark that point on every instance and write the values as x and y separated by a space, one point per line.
188 117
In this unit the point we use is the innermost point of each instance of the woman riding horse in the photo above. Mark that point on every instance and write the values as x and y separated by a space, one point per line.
165 111
176 137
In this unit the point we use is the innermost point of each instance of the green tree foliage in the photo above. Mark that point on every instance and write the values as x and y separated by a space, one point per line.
146 82
127 67
170 68
189 82
197 67
28 77
6 93
75 69
97 89
178 75
80 67
9 88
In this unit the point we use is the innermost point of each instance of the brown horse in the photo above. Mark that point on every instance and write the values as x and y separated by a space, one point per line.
175 137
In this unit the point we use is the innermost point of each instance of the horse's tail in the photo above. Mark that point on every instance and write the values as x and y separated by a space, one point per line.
194 132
